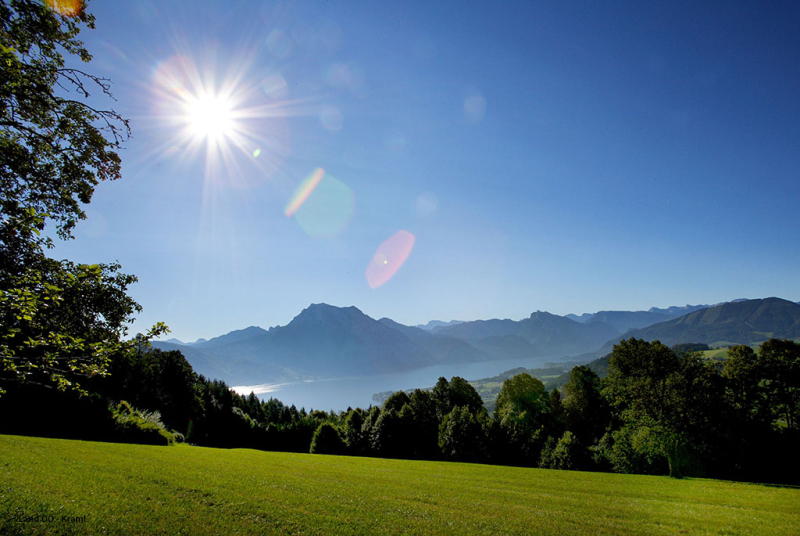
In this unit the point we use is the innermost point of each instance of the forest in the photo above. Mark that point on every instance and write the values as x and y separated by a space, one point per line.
658 411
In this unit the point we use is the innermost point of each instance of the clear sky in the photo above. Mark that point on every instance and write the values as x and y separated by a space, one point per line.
558 156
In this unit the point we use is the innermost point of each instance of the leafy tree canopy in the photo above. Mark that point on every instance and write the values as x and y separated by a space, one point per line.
522 396
59 320
587 411
782 362
455 393
54 147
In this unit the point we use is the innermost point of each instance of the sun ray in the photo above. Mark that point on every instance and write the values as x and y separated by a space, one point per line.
223 118
229 120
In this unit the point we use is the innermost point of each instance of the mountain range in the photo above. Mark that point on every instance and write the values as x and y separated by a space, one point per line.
325 341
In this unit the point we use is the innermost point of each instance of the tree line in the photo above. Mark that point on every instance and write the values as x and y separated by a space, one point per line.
658 411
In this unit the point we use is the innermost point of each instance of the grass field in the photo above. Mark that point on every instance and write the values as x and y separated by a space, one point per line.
718 353
115 488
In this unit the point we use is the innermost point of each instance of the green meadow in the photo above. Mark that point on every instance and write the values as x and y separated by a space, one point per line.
716 353
61 486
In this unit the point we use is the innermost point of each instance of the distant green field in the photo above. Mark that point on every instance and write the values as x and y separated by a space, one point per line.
60 486
719 353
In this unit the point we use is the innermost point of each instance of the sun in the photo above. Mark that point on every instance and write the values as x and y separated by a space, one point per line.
210 117
225 122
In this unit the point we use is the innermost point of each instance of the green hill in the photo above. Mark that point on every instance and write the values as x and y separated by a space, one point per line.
59 486
742 322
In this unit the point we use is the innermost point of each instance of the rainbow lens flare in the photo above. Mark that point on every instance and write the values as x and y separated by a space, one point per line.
322 205
389 257
302 193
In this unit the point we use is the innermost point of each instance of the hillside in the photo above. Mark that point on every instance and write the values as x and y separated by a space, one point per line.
95 488
541 334
224 364
442 348
739 322
623 321
748 322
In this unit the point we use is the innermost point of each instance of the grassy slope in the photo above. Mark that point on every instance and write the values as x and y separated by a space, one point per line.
131 488
719 353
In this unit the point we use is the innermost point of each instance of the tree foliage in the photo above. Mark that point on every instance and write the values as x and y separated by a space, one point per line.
352 434
54 146
455 393
587 412
326 440
702 427
560 454
642 383
522 413
782 363
423 425
747 392
61 321
461 436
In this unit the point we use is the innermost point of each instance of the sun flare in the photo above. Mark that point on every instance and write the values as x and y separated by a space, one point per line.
225 122
210 117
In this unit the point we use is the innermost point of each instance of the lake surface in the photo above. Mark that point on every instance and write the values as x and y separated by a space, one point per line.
340 393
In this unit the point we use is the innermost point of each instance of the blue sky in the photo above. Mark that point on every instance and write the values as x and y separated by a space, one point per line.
567 157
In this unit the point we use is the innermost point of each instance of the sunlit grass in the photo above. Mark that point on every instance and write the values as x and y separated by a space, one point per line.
131 488
718 353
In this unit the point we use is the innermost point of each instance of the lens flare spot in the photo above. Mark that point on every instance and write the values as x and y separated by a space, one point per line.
474 108
426 205
275 86
303 192
66 8
322 205
170 151
256 153
389 257
169 75
331 118
279 44
349 76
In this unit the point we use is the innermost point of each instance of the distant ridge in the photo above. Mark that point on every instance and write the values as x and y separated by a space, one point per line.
233 336
737 322
626 320
542 334
436 324
325 341
676 311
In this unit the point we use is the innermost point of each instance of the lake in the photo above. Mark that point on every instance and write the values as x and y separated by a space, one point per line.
340 393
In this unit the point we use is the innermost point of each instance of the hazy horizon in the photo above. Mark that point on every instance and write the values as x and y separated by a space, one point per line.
209 337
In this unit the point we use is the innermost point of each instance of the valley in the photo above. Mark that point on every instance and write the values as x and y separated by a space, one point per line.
337 357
